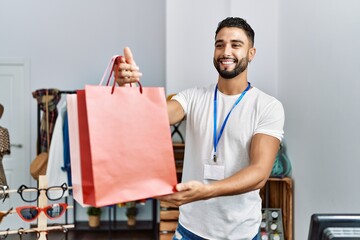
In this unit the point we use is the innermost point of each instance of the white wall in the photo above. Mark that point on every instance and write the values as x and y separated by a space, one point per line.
319 85
190 29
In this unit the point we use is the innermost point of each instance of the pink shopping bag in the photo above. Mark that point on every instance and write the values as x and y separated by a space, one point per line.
71 101
125 143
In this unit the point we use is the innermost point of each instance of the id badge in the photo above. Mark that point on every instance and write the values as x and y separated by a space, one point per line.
214 172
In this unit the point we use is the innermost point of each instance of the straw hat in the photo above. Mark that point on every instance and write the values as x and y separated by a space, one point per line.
39 165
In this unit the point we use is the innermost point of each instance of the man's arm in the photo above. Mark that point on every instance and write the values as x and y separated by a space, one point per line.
263 151
175 111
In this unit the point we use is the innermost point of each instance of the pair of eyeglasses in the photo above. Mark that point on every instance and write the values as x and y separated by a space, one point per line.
3 193
52 193
30 213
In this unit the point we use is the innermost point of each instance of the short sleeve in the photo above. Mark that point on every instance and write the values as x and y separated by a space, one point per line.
183 98
271 121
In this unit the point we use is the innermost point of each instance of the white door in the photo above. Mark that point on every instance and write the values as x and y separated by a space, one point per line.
15 97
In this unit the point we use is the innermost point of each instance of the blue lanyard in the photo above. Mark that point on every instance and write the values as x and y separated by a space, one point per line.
217 138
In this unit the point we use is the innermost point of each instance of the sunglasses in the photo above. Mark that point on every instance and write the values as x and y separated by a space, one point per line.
30 213
52 193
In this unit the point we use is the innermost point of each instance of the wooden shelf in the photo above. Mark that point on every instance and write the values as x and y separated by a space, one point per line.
179 149
169 214
278 193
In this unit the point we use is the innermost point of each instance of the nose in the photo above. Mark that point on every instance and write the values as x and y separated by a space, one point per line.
227 50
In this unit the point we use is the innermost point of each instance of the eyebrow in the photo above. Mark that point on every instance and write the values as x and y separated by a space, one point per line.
232 41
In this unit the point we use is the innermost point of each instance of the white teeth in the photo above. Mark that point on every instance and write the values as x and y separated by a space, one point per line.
227 63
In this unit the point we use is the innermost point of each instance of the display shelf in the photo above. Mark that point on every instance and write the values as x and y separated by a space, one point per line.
116 226
112 225
278 193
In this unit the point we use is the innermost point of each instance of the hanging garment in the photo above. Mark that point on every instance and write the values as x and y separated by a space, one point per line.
52 98
3 181
67 165
4 142
55 175
4 150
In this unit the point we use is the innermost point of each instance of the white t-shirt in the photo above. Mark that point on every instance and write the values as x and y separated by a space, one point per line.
231 217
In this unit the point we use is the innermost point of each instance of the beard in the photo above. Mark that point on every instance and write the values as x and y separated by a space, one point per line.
239 68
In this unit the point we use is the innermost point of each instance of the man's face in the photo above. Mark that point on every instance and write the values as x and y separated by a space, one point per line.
232 52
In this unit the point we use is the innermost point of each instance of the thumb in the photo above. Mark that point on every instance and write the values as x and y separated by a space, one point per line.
128 56
183 187
179 187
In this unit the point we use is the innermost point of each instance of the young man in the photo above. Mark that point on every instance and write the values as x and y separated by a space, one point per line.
233 133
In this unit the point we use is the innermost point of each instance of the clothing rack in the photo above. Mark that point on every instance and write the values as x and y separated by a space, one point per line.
68 92
38 137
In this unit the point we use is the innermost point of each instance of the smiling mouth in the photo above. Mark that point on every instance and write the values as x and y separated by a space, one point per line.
227 61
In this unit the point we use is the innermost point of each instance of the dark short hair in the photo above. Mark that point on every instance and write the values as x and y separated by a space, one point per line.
238 23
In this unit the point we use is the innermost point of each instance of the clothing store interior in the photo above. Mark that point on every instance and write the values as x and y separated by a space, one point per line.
83 157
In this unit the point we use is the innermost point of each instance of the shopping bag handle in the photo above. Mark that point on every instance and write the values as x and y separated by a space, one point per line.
112 63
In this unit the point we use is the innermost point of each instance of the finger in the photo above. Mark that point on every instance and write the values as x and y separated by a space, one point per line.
125 66
128 56
128 74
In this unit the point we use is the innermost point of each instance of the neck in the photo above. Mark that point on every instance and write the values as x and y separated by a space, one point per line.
232 86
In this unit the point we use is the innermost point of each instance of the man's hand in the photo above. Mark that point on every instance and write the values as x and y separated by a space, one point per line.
187 192
128 71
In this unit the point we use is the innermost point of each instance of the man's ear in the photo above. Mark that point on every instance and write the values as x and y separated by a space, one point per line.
251 54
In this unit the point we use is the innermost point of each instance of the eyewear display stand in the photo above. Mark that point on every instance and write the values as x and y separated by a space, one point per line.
42 228
42 202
